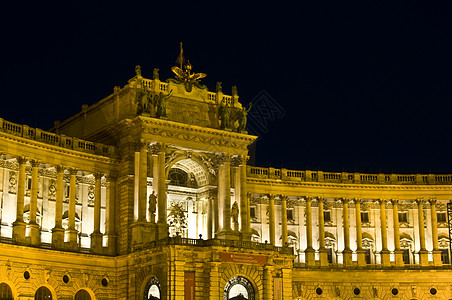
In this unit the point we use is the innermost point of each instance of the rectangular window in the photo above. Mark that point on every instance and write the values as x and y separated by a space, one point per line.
290 214
406 256
66 191
441 217
29 183
367 255
365 217
403 217
252 212
445 256
327 216
330 255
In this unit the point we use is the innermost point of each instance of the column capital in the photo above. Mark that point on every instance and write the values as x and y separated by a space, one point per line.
156 148
221 158
394 202
59 169
271 196
432 201
419 201
283 197
357 200
381 201
98 175
308 199
236 161
111 176
21 160
343 200
73 171
34 163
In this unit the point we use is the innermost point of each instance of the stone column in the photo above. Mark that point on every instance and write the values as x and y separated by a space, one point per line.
385 255
110 215
58 231
268 283
323 253
161 195
284 219
244 201
96 236
361 253
19 225
142 182
209 217
72 232
227 196
271 217
436 252
309 252
398 253
33 226
347 252
218 202
423 253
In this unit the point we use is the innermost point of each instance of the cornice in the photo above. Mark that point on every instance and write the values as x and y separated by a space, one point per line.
180 131
61 150
348 186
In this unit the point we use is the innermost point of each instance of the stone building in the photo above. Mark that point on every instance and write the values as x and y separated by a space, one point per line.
146 195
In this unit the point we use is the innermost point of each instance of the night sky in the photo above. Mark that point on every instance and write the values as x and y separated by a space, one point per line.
362 86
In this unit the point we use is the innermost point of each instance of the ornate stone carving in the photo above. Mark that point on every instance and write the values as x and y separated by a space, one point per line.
52 189
236 161
12 182
155 148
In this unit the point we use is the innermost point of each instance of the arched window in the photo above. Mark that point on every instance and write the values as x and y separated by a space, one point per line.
82 295
43 293
5 292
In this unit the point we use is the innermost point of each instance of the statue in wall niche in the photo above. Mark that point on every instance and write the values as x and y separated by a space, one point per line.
235 215
242 117
152 206
224 114
160 103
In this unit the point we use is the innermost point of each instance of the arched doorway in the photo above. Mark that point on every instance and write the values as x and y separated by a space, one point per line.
82 295
152 290
238 288
188 198
5 292
43 293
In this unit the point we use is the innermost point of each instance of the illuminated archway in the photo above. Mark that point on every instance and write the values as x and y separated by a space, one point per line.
6 293
238 288
152 290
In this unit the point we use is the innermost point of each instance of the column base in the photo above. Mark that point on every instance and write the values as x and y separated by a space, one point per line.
162 231
19 232
246 236
143 232
347 257
35 236
111 244
96 242
323 255
72 243
58 238
398 254
423 258
385 258
361 254
437 258
228 234
310 257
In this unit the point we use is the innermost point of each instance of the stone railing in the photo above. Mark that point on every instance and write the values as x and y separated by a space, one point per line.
60 140
160 86
344 177
177 240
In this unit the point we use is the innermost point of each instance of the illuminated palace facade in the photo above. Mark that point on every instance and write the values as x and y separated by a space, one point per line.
146 194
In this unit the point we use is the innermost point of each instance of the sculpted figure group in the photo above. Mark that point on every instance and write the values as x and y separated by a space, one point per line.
224 115
152 104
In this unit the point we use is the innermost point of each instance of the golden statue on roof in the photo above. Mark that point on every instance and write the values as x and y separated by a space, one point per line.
184 72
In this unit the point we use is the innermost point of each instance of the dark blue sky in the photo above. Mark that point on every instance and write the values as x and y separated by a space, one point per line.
364 86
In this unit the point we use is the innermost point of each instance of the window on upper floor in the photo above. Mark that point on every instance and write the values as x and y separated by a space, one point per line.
327 216
403 217
442 217
365 217
290 214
